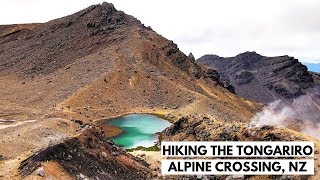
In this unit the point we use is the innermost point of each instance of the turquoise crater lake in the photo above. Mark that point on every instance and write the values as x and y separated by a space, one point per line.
138 130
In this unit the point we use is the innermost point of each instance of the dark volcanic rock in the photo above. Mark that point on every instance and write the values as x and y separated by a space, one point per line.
215 76
90 155
206 129
45 48
243 77
263 79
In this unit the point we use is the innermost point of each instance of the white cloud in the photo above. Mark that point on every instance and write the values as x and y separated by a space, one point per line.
222 27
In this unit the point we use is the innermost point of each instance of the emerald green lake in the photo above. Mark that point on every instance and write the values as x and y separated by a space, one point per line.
138 130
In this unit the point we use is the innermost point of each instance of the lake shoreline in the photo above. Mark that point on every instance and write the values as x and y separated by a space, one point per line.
113 131
133 130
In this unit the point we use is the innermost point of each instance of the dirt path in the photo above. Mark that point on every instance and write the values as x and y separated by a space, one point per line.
12 123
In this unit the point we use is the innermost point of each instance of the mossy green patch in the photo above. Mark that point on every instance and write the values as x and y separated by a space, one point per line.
141 148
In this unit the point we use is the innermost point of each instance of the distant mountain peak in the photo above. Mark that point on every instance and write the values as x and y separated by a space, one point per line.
263 79
108 5
191 56
249 53
249 56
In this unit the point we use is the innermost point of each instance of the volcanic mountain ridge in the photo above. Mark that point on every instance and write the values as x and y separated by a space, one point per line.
59 79
264 79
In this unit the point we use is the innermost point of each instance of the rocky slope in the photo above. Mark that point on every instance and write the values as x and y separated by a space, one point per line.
87 156
59 78
203 128
96 64
87 62
263 79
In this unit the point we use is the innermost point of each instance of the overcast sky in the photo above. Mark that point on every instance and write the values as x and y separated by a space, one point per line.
222 27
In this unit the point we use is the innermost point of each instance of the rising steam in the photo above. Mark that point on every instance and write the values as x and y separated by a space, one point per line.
305 110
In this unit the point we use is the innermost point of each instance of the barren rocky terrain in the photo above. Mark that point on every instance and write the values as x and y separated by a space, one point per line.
264 79
282 80
203 128
59 79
